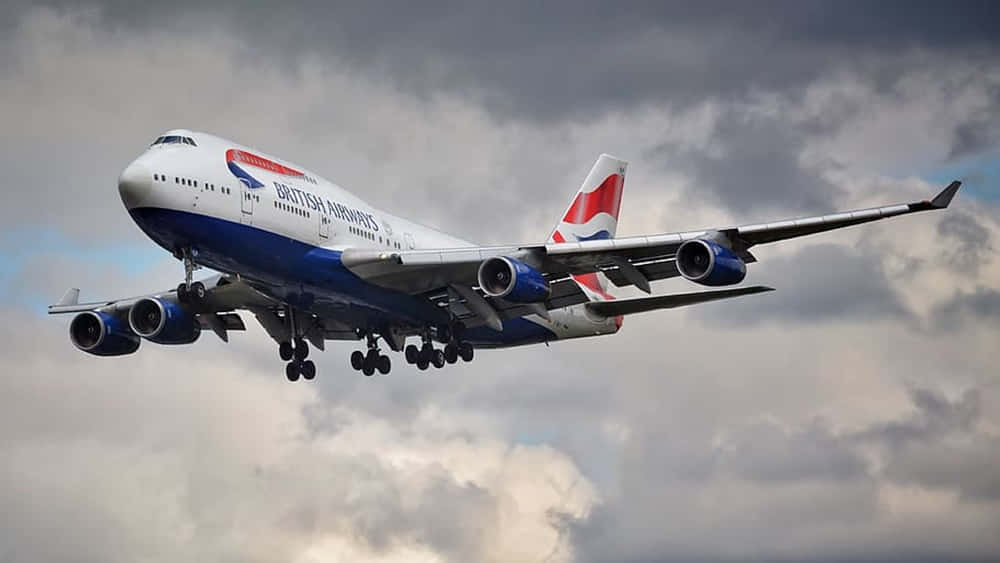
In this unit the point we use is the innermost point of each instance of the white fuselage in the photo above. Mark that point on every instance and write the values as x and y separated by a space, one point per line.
215 178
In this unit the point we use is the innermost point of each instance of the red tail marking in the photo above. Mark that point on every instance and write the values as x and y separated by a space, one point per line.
606 198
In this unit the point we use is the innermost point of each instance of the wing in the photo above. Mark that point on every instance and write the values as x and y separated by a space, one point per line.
625 261
224 294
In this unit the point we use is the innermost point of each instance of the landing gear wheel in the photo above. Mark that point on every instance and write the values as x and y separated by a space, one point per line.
292 371
183 295
197 293
301 349
437 358
451 353
372 356
368 369
383 365
285 351
412 354
308 369
465 351
357 360
422 364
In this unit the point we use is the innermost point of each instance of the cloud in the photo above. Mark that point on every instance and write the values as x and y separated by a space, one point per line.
817 422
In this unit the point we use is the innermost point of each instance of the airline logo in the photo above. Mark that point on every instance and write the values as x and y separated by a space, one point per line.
593 215
237 160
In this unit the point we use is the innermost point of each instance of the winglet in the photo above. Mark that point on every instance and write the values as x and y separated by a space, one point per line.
72 297
942 200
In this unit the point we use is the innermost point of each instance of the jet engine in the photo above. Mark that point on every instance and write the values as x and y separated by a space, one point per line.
709 263
163 321
102 334
512 280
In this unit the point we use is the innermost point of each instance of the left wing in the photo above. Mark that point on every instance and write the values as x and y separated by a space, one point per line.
625 261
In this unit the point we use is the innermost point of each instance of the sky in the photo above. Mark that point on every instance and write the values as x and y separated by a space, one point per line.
851 415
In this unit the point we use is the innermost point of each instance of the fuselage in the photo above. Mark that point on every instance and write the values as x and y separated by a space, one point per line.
247 213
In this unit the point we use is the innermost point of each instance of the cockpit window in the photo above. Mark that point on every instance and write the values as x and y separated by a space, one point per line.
174 139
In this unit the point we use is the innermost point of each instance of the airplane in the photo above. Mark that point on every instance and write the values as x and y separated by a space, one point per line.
313 262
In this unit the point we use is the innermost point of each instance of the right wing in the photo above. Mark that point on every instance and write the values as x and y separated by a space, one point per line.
625 261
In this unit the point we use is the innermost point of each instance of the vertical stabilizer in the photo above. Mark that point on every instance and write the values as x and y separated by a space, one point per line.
593 214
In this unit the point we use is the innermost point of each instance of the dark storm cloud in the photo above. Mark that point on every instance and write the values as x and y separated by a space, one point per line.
822 282
549 59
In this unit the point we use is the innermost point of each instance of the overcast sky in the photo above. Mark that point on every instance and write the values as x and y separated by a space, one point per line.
853 414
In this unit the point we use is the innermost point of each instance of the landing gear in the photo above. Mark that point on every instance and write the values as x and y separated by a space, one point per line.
190 292
372 361
426 355
292 371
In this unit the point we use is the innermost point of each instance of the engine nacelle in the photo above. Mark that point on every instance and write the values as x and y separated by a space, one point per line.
709 263
102 334
163 322
512 280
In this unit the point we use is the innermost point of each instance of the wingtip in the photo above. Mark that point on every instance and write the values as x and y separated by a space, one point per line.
943 199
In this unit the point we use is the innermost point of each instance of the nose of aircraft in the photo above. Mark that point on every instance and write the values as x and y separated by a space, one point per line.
135 184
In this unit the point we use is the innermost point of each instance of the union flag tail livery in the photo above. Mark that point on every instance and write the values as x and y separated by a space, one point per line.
593 214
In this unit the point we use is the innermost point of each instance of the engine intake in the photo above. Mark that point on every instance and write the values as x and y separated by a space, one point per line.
163 322
709 263
102 334
512 280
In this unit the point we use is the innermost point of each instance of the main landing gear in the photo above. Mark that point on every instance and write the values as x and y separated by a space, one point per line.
297 362
372 361
427 355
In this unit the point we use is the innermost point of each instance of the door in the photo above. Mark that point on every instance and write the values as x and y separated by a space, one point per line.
324 225
246 204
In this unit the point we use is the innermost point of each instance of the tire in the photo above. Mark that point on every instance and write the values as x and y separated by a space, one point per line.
357 360
372 357
198 292
182 293
308 370
368 370
451 353
466 353
437 358
412 353
285 351
301 349
383 365
422 365
292 371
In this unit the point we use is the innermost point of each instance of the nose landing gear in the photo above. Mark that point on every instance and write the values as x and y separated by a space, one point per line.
190 292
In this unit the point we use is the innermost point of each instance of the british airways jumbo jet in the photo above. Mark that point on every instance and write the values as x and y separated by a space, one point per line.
313 262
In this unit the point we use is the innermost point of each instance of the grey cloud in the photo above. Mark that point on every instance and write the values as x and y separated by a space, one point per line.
755 166
982 304
973 241
548 60
766 452
819 283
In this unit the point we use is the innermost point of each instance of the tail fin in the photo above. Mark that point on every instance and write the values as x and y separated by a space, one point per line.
593 214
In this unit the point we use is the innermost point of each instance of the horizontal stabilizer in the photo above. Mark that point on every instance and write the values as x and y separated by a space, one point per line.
643 304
